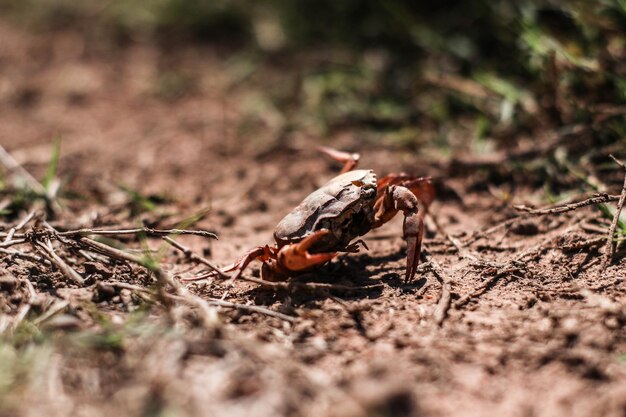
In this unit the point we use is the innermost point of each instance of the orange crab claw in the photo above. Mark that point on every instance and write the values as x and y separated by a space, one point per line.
350 160
295 256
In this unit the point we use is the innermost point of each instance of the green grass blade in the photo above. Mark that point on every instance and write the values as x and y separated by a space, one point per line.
53 164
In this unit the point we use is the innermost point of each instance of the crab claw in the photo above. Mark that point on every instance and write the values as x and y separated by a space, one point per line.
350 160
413 234
296 257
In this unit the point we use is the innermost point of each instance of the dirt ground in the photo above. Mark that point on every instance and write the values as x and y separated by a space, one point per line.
532 329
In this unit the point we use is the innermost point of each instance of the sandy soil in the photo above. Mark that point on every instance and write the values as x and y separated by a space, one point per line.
532 329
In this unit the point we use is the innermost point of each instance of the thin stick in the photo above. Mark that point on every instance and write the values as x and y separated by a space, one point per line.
599 199
482 288
112 252
460 247
141 292
211 301
589 243
13 166
20 226
56 308
203 304
163 279
48 251
12 243
194 257
24 255
126 285
296 286
483 233
609 248
146 230
244 307
24 309
443 305
508 267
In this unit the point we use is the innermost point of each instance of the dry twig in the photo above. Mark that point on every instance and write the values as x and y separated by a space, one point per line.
24 255
48 252
41 240
598 199
19 227
195 257
483 287
491 230
13 166
245 307
441 311
145 230
609 248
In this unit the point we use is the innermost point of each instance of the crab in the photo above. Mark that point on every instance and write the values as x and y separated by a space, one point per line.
332 218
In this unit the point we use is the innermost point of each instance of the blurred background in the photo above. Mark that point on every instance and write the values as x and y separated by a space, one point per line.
458 81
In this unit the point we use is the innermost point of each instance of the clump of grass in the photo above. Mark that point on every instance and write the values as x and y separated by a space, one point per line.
23 192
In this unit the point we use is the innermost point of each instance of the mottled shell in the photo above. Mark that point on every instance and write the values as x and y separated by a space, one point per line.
344 206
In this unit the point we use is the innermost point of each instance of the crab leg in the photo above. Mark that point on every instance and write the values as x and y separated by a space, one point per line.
422 187
399 198
261 253
296 256
350 160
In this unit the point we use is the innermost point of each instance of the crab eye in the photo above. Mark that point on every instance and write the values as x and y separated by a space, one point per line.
358 183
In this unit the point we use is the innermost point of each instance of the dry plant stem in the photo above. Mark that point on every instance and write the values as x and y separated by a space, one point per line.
162 279
296 286
484 233
181 292
20 226
243 307
110 251
13 166
126 285
56 308
502 269
599 199
314 286
47 251
603 198
583 245
460 247
592 228
24 255
20 316
12 243
194 300
609 248
194 257
148 231
141 292
483 287
23 311
201 304
441 311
